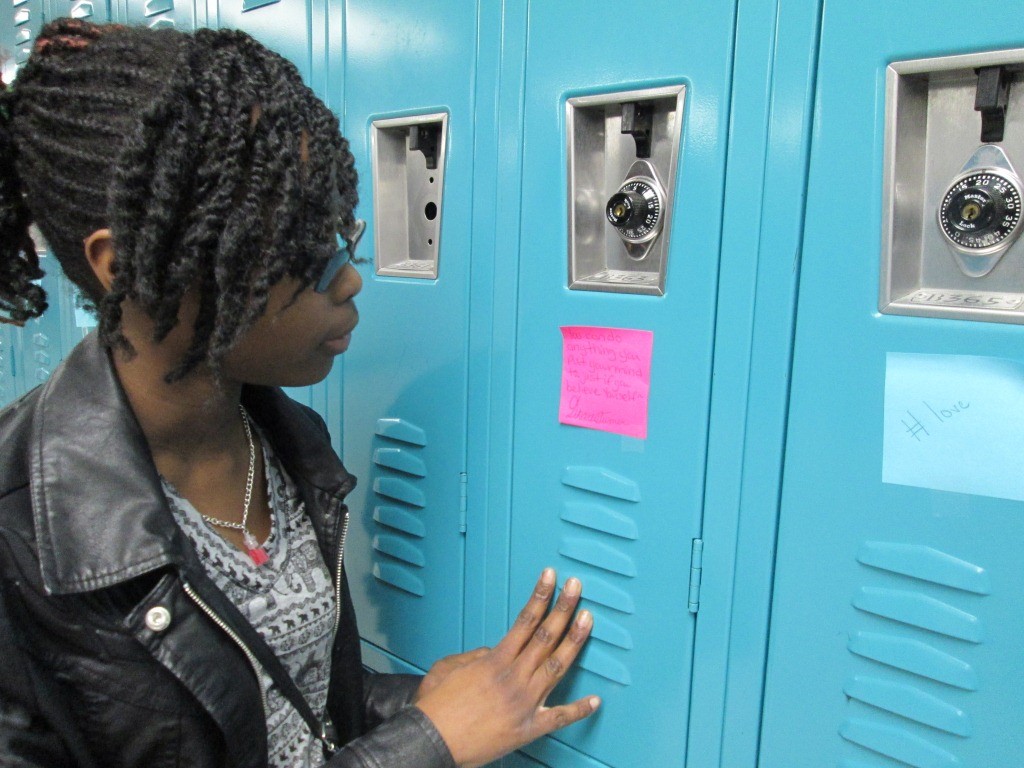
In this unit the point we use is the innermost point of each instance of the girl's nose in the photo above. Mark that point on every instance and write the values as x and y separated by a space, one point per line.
346 284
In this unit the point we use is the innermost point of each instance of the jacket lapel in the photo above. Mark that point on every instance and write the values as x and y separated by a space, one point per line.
99 511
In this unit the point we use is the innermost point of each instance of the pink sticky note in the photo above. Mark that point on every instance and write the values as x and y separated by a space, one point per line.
606 379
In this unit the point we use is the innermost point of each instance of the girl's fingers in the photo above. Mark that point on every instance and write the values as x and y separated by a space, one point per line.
547 637
529 618
554 667
550 719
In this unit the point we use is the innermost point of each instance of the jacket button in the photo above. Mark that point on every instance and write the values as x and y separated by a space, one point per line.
158 619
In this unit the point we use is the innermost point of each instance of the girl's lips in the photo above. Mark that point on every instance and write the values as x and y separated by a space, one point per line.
338 345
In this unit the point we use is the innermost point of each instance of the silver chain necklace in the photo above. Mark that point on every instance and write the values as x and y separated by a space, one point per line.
252 546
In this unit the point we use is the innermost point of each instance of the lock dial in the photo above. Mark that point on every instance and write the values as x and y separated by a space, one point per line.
980 213
635 210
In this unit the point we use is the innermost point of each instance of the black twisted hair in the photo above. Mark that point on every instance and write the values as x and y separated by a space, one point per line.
214 166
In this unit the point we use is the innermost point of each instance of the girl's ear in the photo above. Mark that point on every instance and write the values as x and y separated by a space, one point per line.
99 251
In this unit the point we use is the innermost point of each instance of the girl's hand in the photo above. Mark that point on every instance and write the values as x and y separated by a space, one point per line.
489 702
444 667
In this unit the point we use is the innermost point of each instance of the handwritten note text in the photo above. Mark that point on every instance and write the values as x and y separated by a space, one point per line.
606 379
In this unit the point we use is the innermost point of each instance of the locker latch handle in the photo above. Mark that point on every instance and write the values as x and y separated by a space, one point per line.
637 121
425 138
991 98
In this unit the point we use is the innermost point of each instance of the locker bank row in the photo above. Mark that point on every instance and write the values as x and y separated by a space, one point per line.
716 306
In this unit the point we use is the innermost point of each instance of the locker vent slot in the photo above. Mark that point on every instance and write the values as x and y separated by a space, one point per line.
920 611
909 702
914 657
154 7
897 743
599 535
602 481
252 5
82 11
600 518
927 564
891 711
399 469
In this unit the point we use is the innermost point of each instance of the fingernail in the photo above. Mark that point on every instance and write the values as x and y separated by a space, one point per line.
584 619
548 576
594 703
572 587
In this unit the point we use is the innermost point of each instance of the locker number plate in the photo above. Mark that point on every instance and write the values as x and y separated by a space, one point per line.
971 300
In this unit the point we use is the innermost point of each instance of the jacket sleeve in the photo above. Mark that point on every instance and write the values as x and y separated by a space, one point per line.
407 739
27 743
384 695
30 718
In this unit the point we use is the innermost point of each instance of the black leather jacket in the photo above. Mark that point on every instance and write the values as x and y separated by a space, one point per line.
88 548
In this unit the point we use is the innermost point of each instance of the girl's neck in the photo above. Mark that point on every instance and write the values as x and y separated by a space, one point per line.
188 419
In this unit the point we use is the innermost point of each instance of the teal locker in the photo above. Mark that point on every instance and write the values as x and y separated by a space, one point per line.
405 395
622 513
896 621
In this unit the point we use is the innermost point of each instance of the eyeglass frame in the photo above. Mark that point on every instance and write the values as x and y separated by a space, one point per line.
342 256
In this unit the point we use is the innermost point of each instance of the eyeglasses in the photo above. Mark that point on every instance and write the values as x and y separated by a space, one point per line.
341 257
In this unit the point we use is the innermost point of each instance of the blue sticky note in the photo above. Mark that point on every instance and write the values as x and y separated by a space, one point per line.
954 423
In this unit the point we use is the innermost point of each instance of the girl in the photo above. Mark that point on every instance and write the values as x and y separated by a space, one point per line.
160 497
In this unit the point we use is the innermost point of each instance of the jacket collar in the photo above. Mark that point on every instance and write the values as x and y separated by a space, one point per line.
99 511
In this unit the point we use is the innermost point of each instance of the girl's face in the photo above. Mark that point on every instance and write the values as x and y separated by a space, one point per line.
295 341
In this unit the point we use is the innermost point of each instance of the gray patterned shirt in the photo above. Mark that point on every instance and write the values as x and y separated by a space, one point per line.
289 600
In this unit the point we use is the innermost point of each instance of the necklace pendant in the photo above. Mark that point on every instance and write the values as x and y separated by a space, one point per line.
257 553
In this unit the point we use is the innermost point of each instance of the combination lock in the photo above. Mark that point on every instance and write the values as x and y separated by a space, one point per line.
637 209
981 211
979 214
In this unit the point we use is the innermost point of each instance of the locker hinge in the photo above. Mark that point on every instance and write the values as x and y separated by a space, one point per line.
696 558
462 502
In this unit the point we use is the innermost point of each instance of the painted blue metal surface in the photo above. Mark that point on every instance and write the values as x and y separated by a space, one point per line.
406 372
639 657
776 48
896 622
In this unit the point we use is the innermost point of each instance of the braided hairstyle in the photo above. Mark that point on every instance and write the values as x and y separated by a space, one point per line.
216 169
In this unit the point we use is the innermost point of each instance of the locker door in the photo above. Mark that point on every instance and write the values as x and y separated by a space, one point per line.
622 513
405 373
896 619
